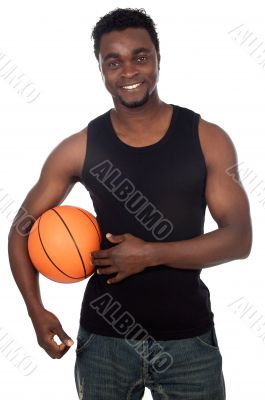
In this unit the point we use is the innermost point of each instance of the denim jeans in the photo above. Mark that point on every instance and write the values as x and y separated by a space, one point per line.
110 368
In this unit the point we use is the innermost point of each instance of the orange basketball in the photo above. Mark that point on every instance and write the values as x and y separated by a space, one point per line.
60 242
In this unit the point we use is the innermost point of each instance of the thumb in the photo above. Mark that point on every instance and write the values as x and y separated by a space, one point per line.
64 337
115 238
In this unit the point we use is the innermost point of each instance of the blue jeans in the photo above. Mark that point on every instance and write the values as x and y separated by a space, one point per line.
110 368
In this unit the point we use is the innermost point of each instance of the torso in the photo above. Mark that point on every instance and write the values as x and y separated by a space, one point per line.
157 133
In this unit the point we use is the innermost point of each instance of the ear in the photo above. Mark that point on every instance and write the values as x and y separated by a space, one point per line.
158 59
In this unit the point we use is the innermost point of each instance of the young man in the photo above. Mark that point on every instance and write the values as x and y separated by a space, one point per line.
150 168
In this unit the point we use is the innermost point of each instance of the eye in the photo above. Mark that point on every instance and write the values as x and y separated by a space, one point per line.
143 57
113 64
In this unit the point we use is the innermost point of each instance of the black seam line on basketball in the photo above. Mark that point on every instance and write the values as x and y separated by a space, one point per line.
80 255
50 257
90 219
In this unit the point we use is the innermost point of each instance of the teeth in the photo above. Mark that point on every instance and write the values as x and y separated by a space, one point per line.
132 86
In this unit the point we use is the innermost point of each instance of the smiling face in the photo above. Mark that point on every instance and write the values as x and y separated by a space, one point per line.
129 64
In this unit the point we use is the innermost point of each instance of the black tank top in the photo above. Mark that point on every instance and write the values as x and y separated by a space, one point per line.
156 193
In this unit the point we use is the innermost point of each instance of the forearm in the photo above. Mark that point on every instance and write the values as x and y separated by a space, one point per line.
24 273
212 248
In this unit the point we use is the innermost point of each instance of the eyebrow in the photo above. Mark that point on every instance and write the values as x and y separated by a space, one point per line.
134 52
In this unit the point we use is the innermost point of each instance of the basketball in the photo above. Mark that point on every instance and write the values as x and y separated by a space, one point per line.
60 242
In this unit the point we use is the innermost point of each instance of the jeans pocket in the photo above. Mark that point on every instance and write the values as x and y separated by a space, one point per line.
208 339
84 338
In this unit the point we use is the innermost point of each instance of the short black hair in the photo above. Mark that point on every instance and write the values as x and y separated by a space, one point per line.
120 19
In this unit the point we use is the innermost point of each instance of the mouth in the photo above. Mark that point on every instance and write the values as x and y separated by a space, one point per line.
130 88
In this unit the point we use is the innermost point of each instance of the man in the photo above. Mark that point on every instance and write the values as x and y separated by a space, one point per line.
150 168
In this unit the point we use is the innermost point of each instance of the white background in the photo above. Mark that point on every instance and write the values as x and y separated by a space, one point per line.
204 68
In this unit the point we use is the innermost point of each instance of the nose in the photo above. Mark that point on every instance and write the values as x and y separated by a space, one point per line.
129 70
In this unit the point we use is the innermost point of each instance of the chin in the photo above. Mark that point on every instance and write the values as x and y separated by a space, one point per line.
135 103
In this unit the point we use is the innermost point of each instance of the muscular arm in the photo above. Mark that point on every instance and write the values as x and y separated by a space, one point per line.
59 173
228 205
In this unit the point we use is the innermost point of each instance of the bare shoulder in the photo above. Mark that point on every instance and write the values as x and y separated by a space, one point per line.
68 156
77 149
76 139
217 146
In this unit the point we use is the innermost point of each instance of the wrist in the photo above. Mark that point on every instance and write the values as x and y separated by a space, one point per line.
152 254
34 309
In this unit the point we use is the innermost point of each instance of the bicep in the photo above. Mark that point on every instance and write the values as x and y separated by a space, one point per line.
225 195
57 178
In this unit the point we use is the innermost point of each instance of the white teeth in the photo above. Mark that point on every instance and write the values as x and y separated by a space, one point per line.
132 86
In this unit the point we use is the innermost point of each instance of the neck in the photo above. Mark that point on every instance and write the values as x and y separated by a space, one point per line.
135 119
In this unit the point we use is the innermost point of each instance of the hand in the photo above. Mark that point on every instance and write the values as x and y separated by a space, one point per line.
129 257
46 326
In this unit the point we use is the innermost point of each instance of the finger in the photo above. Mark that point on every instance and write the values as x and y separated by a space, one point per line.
118 278
63 336
100 254
107 270
52 348
63 349
57 350
102 261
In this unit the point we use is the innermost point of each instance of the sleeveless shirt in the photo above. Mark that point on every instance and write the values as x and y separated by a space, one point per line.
156 193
